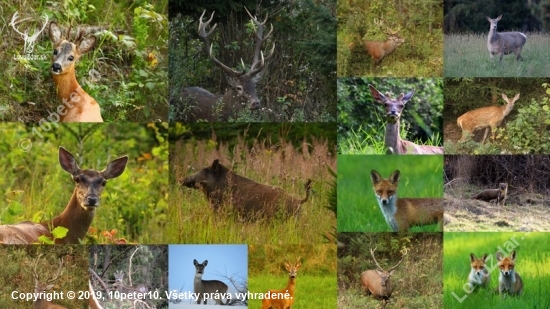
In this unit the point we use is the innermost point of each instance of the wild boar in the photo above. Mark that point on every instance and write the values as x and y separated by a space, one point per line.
249 198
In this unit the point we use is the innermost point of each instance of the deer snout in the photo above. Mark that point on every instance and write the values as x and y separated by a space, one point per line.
56 68
91 201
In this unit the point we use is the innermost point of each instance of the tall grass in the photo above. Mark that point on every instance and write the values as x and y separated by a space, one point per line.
278 164
358 209
466 55
531 260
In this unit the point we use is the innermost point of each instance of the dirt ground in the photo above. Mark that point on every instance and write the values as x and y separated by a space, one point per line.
522 212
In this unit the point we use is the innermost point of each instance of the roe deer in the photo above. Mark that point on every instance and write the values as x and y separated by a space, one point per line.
222 188
504 43
79 213
377 282
479 275
208 289
401 213
283 299
392 139
509 280
494 194
198 103
138 290
485 118
44 286
77 106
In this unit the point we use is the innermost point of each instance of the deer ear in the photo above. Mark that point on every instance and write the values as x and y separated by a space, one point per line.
408 96
86 45
55 33
67 161
195 262
115 168
376 94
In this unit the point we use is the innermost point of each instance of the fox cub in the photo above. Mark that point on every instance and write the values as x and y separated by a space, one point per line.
509 280
492 194
402 213
479 275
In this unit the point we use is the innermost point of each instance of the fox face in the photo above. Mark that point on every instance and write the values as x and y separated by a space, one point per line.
509 280
479 274
385 189
506 264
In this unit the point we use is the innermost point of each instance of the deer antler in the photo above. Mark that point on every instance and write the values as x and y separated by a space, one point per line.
204 36
403 256
260 39
52 279
375 262
387 30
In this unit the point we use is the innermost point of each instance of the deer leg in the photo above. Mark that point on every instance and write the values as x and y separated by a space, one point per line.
485 135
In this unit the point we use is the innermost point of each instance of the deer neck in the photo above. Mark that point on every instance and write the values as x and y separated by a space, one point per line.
72 96
75 218
290 286
493 35
507 109
392 138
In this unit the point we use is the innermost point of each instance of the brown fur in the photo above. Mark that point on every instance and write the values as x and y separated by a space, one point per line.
488 195
380 50
276 302
221 187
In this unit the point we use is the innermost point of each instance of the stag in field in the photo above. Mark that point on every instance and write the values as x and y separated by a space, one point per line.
380 50
377 282
504 43
199 104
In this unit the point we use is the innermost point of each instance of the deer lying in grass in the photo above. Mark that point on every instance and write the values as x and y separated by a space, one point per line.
504 43
80 211
283 299
392 139
485 118
377 282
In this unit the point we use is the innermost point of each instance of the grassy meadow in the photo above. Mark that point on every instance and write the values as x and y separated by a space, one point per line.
279 164
416 282
315 281
358 210
35 187
466 55
532 257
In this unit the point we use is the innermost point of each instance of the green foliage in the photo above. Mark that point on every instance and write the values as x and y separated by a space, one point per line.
531 250
420 177
361 120
466 55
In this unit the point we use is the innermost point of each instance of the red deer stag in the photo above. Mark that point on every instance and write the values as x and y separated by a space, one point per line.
392 139
40 287
200 104
377 282
79 213
380 50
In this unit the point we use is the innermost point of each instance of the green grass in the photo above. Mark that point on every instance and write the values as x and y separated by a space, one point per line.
467 56
358 210
531 260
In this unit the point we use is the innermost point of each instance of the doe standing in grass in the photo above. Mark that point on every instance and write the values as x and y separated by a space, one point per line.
504 43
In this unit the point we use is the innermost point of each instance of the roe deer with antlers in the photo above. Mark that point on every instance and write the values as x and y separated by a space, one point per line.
485 118
380 50
79 213
208 289
200 104
392 139
45 286
77 105
377 282
284 299
504 43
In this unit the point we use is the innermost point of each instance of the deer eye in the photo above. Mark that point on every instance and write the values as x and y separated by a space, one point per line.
55 52
104 183
71 58
76 179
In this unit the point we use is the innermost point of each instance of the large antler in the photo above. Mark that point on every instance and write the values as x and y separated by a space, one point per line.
52 279
257 64
387 30
204 36
402 256
390 269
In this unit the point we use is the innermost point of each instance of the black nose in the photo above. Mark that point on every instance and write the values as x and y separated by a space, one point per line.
56 67
92 200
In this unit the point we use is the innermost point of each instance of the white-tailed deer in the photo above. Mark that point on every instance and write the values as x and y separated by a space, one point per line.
77 105
201 104
45 286
284 299
377 282
208 289
380 50
124 289
79 213
504 43
485 118
392 139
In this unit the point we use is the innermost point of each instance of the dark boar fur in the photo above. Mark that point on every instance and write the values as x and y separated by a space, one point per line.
249 198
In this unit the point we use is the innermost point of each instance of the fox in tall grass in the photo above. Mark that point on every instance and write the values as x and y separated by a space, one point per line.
402 213
509 280
479 275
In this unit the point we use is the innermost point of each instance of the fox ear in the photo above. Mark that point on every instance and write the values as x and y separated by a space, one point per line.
472 257
394 177
484 257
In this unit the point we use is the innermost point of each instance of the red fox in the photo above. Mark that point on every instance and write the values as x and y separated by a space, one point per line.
479 276
402 213
509 280
494 194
